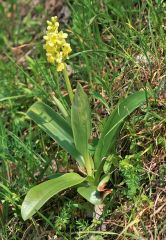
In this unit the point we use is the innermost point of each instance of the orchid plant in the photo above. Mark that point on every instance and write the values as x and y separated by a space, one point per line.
72 131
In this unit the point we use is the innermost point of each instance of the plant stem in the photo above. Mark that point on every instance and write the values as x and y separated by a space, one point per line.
68 84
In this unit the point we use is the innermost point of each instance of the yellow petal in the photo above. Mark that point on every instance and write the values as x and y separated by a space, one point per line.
60 67
50 59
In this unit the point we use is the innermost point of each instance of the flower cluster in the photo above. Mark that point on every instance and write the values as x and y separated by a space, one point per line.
57 49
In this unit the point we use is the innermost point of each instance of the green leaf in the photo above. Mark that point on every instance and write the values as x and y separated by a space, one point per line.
114 123
81 122
91 194
56 127
40 194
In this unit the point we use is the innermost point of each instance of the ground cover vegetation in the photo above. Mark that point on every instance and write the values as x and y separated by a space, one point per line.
117 75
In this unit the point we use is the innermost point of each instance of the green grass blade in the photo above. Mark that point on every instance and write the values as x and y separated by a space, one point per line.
40 194
81 124
114 122
56 127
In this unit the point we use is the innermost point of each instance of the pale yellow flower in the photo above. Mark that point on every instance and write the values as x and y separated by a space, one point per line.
57 49
60 67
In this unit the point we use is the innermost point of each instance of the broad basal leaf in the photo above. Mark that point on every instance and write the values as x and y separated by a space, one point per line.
56 127
91 194
113 124
40 194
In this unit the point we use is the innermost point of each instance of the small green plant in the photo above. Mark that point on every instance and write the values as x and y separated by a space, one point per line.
72 132
131 173
64 218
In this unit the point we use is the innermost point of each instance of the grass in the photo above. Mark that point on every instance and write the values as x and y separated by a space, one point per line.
118 48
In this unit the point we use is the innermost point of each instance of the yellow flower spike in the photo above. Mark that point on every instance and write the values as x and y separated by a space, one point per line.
57 49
